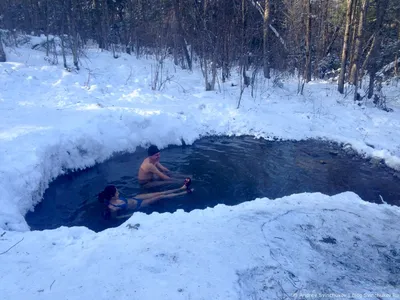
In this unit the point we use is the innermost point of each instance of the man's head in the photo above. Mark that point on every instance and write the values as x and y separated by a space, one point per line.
153 153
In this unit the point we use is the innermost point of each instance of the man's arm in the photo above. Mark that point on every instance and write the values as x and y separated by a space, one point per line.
161 167
160 174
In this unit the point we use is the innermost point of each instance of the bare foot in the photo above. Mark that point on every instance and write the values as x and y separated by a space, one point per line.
188 182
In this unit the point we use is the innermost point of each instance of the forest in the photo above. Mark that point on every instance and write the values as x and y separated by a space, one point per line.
355 42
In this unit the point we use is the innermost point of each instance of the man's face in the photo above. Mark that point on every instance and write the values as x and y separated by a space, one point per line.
155 158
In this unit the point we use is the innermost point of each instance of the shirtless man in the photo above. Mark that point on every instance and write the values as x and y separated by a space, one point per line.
151 169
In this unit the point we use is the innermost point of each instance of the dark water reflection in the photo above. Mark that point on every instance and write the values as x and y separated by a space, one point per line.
227 170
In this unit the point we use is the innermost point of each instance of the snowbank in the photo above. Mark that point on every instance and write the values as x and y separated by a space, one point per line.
53 120
306 244
300 246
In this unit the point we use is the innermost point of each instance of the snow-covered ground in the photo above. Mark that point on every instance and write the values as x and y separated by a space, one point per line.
52 120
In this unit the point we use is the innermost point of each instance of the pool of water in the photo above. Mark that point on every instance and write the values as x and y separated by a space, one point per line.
227 170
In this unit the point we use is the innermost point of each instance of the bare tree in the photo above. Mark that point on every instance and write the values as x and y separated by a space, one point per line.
373 55
358 47
180 33
286 35
345 48
266 46
2 53
307 68
73 32
260 9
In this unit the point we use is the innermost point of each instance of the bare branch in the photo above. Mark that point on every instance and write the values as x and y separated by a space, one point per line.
260 9
11 247
278 36
52 284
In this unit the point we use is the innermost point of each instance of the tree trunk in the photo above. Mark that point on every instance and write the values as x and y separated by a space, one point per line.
266 47
334 37
204 48
258 6
358 47
102 21
243 49
324 28
354 24
181 35
307 68
175 51
98 21
47 13
381 8
225 59
345 46
213 73
321 37
2 53
62 38
73 33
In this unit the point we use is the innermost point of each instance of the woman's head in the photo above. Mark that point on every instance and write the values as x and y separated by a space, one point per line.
106 195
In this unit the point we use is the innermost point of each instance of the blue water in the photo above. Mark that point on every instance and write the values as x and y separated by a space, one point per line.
227 170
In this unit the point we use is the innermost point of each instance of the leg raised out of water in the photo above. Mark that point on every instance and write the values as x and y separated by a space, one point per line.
150 198
154 197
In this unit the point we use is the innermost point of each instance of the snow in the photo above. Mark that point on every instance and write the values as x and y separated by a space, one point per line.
305 244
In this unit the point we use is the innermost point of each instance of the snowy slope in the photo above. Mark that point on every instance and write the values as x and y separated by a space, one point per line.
53 120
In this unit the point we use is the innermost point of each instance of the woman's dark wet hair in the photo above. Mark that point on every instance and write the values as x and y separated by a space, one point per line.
106 196
107 193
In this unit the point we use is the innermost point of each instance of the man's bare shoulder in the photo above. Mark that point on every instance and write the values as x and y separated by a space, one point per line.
147 165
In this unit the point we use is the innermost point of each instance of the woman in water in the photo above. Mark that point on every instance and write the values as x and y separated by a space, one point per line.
116 205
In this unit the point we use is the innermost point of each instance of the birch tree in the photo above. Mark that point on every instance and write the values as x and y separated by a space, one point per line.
266 46
345 48
2 53
307 68
358 47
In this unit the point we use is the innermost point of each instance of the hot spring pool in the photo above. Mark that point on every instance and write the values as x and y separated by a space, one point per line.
225 170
